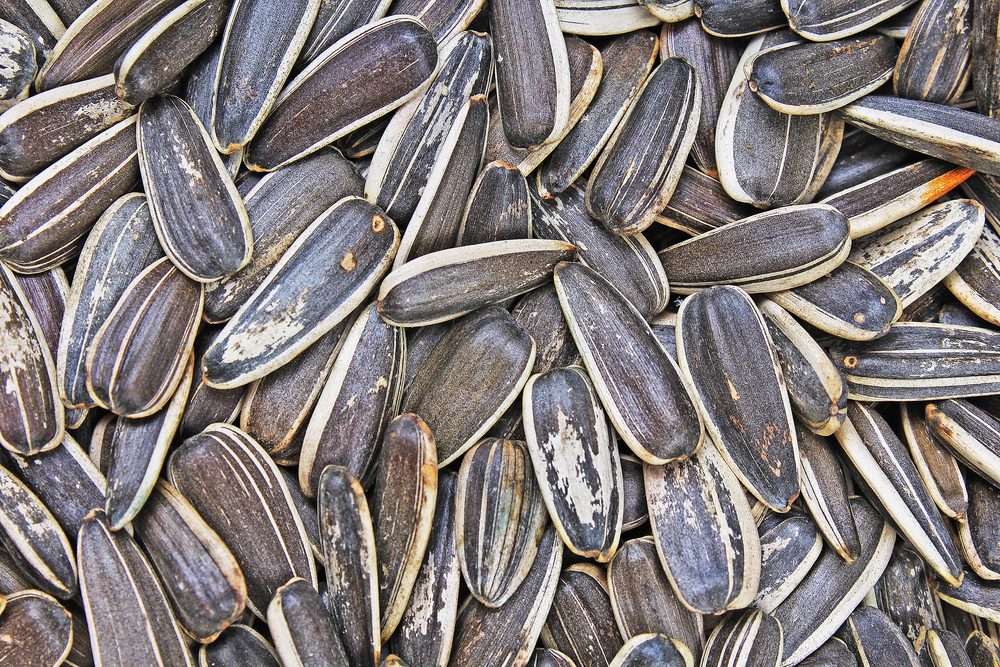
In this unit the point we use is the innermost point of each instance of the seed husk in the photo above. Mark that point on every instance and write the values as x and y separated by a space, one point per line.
941 361
974 282
351 573
643 600
935 61
447 284
603 17
38 19
982 650
443 19
336 19
238 645
639 166
577 468
970 432
732 18
256 518
979 533
425 631
581 623
726 572
486 358
162 53
360 241
653 649
936 465
833 588
311 113
825 21
302 628
974 595
816 77
752 638
32 418
207 405
985 49
197 569
43 224
499 207
507 634
99 448
627 61
700 204
500 516
863 157
539 314
875 639
652 411
37 630
833 653
825 494
904 594
944 649
549 657
790 547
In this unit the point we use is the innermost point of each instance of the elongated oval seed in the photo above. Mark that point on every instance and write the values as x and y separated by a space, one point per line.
875 639
581 622
985 47
824 491
903 592
823 21
935 61
936 465
970 432
731 18
285 315
789 546
753 633
380 66
37 630
303 628
700 204
238 645
978 534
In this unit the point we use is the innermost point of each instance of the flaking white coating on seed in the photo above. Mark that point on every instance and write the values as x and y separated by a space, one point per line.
572 462
101 111
19 348
770 548
422 610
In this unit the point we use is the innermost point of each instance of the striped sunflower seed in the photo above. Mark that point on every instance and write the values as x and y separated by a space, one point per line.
581 623
974 281
653 649
903 592
935 61
700 204
945 649
499 207
302 627
985 49
549 657
445 18
539 314
731 18
937 467
789 546
970 432
982 650
861 158
979 532
825 21
876 640
336 19
824 491
311 113
752 638
207 405
974 595
37 630
238 645
38 19
833 653
604 17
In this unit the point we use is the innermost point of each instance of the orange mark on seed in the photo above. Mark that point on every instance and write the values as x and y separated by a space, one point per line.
378 223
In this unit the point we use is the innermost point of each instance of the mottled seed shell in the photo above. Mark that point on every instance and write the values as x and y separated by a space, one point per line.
37 630
974 282
238 645
752 638
825 493
979 533
38 19
985 49
876 640
970 432
821 21
982 650
937 467
303 629
789 547
903 592
732 18
581 623
935 61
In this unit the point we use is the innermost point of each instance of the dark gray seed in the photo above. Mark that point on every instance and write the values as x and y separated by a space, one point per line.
940 361
306 508
824 491
935 61
447 284
815 77
975 280
500 518
936 465
198 571
486 358
790 548
897 25
351 575
372 71
971 433
880 201
499 207
732 18
638 168
774 250
976 596
824 21
120 247
334 20
138 450
362 142
20 64
726 354
963 137
13 577
279 206
549 657
575 461
425 631
945 649
99 449
207 405
643 600
980 533
94 40
982 650
816 389
507 635
444 18
539 314
139 354
254 517
128 615
651 410
402 507
32 418
915 253
602 17
985 52
303 629
850 302
198 214
422 134
876 640
752 638
45 221
634 512
653 650
704 532
36 630
38 19
627 61
581 623
347 249
438 216
883 462
956 313
532 69
700 204
261 43
862 157
833 588
904 594
833 653
238 646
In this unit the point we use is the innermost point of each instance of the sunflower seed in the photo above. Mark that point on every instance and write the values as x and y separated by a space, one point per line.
825 495
207 405
983 651
581 623
303 629
833 588
196 568
238 645
974 281
875 640
639 166
732 18
653 649
658 424
43 224
642 599
156 59
577 469
726 571
935 58
790 548
945 649
351 575
833 653
499 207
938 469
507 635
38 19
699 204
549 657
603 17
904 594
99 448
539 314
979 533
985 48
941 362
862 157
752 638
971 433
311 113
974 595
37 630
444 18
824 21
335 19
627 61
266 534
500 518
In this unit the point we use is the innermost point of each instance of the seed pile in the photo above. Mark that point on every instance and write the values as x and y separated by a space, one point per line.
564 333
